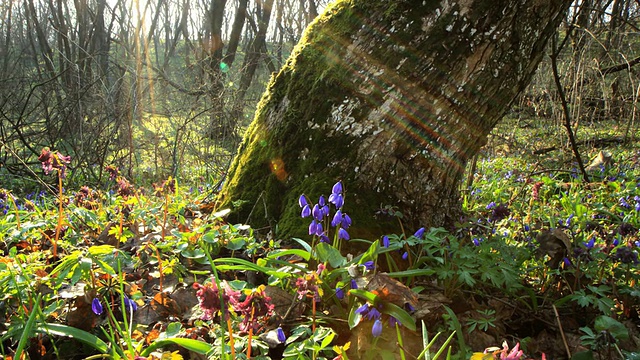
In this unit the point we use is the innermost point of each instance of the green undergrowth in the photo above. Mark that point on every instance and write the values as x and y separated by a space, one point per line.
126 272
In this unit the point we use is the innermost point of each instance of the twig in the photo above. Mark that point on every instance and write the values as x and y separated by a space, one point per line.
564 339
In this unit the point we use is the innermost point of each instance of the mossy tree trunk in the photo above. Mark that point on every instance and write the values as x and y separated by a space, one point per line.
391 97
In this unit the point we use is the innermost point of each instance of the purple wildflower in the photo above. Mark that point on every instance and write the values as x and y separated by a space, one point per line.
96 306
376 330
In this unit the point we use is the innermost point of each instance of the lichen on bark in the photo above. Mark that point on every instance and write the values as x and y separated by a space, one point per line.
392 98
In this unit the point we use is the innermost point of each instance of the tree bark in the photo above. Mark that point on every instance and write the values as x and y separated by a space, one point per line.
392 98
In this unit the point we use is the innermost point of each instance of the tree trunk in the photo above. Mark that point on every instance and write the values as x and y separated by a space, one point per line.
391 97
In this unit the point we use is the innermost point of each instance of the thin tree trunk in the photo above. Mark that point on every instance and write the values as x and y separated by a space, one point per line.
257 49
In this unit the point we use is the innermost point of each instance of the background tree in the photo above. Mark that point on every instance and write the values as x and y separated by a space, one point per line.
393 98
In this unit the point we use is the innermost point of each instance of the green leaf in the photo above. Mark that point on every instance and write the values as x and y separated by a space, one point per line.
326 252
305 245
236 244
297 252
412 272
365 295
466 277
74 333
402 316
197 346
354 318
613 326
327 340
242 264
28 327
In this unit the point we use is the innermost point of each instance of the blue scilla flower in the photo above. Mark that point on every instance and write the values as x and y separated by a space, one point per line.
346 221
281 336
373 313
343 234
317 213
337 218
419 233
354 284
363 309
337 200
306 211
96 307
491 205
315 228
337 188
385 241
624 203
405 255
376 330
589 245
568 222
339 293
129 304
369 265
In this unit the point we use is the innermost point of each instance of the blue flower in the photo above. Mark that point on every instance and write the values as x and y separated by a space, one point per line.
96 306
491 205
385 241
568 222
337 200
369 265
346 221
321 201
306 211
376 330
373 313
419 233
312 227
527 228
624 203
405 256
337 218
363 309
325 210
339 293
129 304
317 213
393 321
354 284
566 261
343 234
324 238
319 229
302 201
337 188
281 336
589 245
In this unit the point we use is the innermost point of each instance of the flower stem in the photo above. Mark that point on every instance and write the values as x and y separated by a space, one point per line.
60 213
